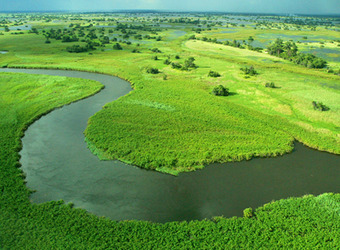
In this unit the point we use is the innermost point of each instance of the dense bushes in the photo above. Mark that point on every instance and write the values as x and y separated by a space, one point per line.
319 106
249 71
117 46
213 74
270 85
289 51
77 49
152 71
220 90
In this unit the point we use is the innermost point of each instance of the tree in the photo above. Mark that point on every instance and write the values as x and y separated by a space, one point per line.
220 90
152 71
213 74
249 71
319 106
189 63
117 46
270 85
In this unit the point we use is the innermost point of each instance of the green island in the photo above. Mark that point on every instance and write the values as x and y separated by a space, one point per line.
207 88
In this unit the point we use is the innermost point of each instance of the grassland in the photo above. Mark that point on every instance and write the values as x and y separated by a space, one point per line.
55 225
171 125
176 125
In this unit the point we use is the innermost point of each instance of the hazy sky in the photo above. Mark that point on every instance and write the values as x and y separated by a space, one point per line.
261 6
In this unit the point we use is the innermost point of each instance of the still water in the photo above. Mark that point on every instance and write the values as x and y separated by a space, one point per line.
59 166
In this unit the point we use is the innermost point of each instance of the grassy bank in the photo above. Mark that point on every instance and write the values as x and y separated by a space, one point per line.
172 122
56 225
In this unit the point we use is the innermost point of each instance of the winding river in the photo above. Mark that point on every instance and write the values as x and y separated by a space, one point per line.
58 166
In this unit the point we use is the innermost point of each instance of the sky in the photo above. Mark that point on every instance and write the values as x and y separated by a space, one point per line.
244 6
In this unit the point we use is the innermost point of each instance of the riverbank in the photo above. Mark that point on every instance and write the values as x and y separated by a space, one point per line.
104 187
58 225
182 109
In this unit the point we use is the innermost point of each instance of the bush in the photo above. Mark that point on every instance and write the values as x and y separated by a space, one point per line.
220 90
167 61
175 65
249 71
189 63
248 212
152 71
156 50
270 85
117 46
76 49
213 74
319 106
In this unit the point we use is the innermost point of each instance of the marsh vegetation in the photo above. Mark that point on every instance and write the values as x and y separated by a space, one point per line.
171 122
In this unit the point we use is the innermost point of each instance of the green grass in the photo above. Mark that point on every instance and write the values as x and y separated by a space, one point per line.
171 125
24 98
176 125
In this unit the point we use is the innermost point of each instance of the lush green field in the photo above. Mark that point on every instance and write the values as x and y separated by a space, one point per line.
172 122
54 225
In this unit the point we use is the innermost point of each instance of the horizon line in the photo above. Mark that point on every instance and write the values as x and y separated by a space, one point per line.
165 11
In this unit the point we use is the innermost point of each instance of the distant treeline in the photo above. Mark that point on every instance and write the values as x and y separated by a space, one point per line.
289 51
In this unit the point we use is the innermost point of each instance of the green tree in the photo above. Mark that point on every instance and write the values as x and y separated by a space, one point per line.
220 90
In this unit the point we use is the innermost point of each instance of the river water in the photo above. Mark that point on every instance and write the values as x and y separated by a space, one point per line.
58 166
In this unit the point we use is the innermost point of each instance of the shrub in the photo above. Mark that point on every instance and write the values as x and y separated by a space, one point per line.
152 71
248 212
220 90
117 46
156 50
213 74
175 65
189 63
319 106
270 85
249 71
77 49
167 61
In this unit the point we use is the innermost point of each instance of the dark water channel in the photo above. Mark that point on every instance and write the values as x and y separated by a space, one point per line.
59 166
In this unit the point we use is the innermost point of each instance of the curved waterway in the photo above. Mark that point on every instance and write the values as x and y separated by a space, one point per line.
58 165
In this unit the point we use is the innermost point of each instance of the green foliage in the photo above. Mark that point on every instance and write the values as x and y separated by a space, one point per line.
117 46
249 71
220 90
57 225
213 74
152 71
196 120
289 51
319 106
189 63
156 50
248 212
167 62
77 49
270 85
176 65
